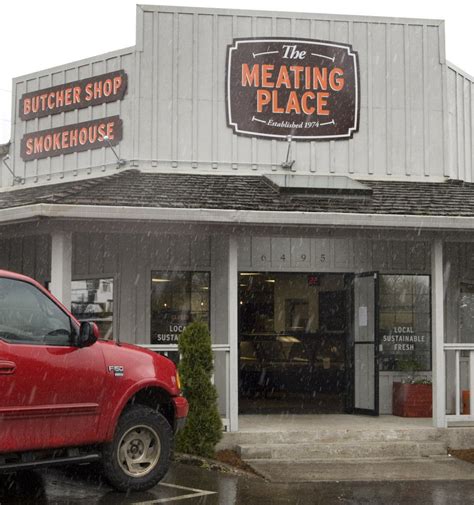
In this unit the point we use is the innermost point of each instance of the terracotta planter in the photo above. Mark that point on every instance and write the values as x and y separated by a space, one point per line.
466 409
412 400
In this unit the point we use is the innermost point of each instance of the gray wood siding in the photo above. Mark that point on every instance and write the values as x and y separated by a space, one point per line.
332 255
460 88
416 117
182 94
28 255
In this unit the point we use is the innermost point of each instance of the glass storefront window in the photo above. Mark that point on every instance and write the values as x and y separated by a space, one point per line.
466 313
93 300
177 299
405 323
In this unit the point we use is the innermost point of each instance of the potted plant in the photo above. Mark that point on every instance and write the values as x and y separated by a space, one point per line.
412 396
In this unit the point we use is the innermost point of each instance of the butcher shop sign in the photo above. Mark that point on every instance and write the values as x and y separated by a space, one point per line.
306 89
71 96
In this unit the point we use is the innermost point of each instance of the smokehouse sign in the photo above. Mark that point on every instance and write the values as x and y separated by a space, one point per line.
70 139
305 89
75 95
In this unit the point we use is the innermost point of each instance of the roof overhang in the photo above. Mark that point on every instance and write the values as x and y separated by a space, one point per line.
237 217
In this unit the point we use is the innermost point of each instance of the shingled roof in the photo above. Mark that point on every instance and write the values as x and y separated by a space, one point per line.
132 188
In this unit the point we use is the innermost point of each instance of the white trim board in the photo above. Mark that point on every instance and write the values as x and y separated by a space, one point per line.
237 217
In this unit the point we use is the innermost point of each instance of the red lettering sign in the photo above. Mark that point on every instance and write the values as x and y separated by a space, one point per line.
71 138
96 90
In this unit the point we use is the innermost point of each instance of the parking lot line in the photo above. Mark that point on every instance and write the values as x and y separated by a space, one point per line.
196 493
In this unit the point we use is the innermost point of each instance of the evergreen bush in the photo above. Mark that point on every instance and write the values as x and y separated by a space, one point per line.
203 428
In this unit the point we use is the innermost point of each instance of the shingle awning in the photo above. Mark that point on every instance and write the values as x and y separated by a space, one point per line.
132 188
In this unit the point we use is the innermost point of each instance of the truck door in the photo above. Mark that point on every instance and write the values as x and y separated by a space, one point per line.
50 390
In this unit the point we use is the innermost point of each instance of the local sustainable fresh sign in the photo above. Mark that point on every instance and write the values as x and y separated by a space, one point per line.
404 339
305 89
76 137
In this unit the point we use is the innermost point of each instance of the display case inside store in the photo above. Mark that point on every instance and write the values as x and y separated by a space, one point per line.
293 337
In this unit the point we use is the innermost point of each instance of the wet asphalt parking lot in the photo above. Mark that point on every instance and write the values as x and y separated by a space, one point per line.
188 485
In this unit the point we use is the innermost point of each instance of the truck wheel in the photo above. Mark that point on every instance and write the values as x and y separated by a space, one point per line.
139 455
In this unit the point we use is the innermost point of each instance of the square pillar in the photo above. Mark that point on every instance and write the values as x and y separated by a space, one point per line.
61 267
224 322
233 325
437 315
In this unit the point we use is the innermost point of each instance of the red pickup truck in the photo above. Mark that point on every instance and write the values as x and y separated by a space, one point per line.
66 396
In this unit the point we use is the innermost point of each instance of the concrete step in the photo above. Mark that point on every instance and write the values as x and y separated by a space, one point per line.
369 469
332 435
341 450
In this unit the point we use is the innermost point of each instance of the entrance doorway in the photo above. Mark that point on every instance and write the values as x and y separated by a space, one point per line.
294 342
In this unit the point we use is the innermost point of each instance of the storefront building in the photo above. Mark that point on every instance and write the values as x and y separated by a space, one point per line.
302 183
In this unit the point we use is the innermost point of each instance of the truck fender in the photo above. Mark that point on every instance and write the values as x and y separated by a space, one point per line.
130 393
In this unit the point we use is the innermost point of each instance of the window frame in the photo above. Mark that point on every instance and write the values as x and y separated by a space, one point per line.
430 312
115 305
189 270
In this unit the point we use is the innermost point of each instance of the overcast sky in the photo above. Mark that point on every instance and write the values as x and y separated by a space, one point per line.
43 33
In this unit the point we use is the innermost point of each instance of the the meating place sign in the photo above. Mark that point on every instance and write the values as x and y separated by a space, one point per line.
306 89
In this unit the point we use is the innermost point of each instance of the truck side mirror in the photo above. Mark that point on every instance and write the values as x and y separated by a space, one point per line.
88 334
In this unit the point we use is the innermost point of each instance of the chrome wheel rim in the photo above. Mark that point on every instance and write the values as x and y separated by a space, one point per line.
138 451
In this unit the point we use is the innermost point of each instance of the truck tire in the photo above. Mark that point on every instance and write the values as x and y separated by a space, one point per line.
139 455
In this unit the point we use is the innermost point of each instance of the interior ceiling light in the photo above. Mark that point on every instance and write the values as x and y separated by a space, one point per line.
161 280
248 274
288 339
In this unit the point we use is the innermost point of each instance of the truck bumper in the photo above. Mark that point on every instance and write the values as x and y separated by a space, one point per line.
181 409
179 424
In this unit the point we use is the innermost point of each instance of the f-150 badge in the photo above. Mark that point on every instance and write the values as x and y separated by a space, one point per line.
117 370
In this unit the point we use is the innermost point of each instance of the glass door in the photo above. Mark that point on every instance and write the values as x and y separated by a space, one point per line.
366 376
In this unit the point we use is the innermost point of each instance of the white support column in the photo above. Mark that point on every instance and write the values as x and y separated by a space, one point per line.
224 323
437 309
61 267
233 321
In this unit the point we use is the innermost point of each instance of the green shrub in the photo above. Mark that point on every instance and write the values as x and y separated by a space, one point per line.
203 427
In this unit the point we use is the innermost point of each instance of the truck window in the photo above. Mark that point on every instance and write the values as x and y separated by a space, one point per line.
27 316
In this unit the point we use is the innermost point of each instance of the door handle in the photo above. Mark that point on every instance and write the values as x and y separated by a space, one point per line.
7 367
